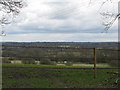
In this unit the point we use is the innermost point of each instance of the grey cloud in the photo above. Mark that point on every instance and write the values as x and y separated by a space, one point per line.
62 30
62 10
59 17
56 3
86 23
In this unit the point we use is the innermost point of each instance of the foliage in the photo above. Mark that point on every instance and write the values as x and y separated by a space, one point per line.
114 63
28 61
69 64
26 51
47 62
6 61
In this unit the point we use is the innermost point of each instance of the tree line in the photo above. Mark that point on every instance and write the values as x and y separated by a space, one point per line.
58 55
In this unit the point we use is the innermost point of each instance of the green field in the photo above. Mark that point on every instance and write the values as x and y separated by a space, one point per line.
46 76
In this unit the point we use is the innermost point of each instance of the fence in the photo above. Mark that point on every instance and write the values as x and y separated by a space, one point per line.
74 54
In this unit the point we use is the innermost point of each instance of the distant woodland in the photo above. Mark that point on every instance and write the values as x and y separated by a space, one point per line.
54 52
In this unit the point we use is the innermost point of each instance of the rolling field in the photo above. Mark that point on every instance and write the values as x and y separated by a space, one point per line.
46 76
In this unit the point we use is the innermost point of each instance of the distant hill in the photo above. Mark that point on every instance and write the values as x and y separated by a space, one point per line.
65 44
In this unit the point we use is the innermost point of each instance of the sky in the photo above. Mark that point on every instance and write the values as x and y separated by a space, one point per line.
63 21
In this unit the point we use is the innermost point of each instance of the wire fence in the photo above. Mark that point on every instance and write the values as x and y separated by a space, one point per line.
61 55
58 54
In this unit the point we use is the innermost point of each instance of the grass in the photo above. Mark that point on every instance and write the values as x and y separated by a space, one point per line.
32 77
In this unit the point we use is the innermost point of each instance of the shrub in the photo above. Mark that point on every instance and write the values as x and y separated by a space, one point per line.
11 58
114 63
6 61
69 64
28 61
47 62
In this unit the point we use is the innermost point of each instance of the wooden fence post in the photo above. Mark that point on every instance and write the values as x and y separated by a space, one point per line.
94 59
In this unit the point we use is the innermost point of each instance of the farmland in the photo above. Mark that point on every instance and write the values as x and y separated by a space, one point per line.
59 65
47 76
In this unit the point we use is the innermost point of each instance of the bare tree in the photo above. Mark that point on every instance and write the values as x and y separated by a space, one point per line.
111 22
9 9
110 16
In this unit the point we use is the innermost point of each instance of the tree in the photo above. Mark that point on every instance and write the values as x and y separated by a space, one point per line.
112 17
9 9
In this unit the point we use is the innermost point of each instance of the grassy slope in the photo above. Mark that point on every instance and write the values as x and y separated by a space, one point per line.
55 78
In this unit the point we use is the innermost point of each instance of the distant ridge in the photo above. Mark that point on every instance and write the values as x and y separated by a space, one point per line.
68 44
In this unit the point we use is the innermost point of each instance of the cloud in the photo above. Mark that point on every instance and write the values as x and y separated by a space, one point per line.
57 17
78 37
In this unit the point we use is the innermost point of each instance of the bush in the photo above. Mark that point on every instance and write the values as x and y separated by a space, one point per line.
69 64
114 63
28 61
47 62
11 58
6 61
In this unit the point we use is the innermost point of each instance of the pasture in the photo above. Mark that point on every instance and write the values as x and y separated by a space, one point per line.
53 76
55 65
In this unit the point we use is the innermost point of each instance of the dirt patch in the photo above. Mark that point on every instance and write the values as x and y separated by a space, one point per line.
86 65
61 64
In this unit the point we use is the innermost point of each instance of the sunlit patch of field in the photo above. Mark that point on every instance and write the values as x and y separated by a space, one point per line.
88 65
92 65
60 64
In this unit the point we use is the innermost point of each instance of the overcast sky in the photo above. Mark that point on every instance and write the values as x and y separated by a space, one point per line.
63 20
